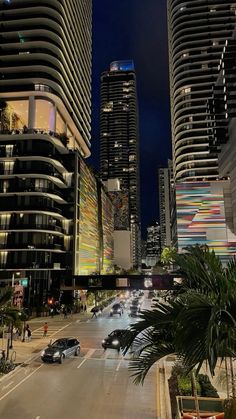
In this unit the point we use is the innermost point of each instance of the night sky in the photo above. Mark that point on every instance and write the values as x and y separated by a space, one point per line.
137 29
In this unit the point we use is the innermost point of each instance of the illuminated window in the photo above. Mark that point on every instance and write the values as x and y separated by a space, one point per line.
3 258
44 115
14 114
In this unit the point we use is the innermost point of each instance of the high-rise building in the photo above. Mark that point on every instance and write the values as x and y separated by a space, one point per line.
45 129
222 128
153 244
164 181
197 34
119 141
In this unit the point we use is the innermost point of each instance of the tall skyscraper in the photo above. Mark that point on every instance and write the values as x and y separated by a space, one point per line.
197 34
153 244
119 141
45 129
164 181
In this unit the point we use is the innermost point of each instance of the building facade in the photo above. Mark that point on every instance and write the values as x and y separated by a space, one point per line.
222 129
44 134
119 142
164 184
197 34
153 244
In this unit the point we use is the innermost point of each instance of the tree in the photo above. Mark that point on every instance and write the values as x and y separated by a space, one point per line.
168 256
198 321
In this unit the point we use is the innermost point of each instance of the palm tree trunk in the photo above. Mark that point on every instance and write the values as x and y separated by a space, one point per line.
232 377
227 378
193 378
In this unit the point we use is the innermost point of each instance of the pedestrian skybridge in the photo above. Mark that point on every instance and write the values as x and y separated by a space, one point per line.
121 282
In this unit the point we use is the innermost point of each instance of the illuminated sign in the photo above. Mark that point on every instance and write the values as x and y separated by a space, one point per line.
127 65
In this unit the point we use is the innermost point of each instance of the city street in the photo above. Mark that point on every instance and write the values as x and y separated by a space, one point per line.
95 385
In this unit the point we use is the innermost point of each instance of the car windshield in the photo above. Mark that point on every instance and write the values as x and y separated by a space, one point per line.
59 344
114 333
116 306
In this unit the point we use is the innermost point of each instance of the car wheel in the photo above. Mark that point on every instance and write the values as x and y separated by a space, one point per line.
77 352
62 357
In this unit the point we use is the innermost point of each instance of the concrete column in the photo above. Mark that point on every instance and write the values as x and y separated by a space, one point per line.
31 116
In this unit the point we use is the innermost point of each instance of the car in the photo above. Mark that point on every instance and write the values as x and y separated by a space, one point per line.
114 339
134 311
116 309
60 349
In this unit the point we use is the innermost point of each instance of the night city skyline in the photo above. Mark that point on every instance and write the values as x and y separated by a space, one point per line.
124 30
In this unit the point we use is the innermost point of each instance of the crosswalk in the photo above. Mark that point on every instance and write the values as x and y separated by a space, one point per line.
52 330
100 354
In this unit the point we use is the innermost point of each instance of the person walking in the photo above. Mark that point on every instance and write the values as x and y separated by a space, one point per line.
29 334
45 330
94 310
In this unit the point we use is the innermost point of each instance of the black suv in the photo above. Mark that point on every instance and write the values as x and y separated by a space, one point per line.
60 349
116 309
114 339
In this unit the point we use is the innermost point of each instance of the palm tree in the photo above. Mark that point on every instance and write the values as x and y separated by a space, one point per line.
8 314
197 323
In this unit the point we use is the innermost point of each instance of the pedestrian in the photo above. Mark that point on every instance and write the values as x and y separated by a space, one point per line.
94 311
51 312
29 334
45 330
65 312
26 333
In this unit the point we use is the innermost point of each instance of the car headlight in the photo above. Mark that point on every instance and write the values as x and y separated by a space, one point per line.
42 353
112 310
118 310
56 354
115 342
103 341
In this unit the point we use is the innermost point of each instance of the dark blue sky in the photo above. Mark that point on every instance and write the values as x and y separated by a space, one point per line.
137 29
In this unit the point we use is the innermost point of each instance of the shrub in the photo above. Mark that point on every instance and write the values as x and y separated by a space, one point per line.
207 389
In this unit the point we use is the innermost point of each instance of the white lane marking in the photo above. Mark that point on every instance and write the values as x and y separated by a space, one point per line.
8 385
59 330
80 365
78 321
90 353
21 382
37 417
118 366
88 321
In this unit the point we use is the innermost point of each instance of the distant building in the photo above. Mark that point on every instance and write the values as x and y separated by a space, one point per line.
123 246
153 244
119 147
164 181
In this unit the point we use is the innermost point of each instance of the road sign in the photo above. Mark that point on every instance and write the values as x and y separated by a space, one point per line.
23 282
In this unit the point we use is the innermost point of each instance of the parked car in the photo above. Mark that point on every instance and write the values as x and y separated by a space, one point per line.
114 339
61 349
116 309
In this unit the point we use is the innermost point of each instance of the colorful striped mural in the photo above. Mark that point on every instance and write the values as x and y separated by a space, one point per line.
201 217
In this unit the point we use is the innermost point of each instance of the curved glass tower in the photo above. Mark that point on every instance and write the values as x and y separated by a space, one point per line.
197 34
45 66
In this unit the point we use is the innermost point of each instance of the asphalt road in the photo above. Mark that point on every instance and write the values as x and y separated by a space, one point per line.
95 385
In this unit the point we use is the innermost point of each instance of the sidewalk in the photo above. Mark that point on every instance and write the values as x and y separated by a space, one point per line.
28 350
